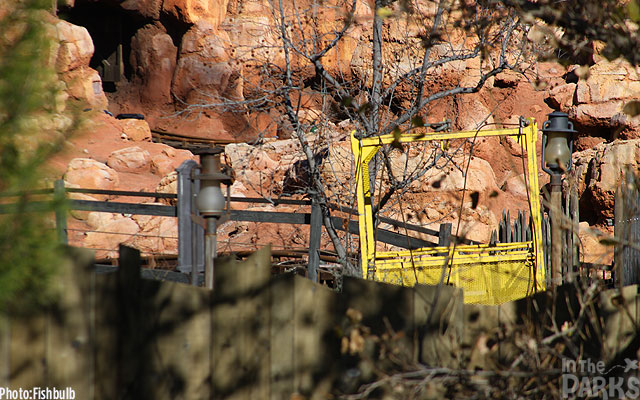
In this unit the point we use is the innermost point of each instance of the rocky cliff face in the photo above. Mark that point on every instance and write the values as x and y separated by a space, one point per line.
167 58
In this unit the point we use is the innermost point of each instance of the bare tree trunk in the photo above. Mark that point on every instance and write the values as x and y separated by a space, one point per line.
318 190
368 97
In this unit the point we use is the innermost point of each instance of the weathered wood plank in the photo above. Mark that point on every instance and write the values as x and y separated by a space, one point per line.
28 351
379 301
444 236
123 208
5 350
106 336
619 230
240 316
281 333
314 315
70 345
439 320
177 340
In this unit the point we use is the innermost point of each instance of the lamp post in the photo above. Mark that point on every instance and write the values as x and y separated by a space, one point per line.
557 146
210 202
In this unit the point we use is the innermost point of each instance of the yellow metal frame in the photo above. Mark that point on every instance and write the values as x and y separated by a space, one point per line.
488 274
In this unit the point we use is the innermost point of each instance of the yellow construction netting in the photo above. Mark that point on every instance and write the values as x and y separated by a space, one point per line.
488 274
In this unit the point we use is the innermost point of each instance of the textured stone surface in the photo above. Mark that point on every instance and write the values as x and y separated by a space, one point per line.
71 51
157 235
97 220
168 184
129 159
136 130
91 174
161 164
255 167
561 96
477 224
224 44
599 170
592 251
608 81
84 84
480 177
192 11
599 98
516 186
153 60
75 47
146 8
77 214
242 155
110 235
168 159
592 114
473 115
204 71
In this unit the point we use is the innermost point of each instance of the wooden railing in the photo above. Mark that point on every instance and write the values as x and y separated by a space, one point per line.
313 218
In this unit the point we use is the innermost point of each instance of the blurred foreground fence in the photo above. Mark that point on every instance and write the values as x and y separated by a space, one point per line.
119 336
257 336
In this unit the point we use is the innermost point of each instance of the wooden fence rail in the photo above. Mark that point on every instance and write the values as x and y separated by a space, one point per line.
189 253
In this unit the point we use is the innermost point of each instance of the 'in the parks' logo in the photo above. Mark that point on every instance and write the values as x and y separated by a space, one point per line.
586 378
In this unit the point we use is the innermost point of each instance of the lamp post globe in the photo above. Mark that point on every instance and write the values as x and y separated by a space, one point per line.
558 143
210 200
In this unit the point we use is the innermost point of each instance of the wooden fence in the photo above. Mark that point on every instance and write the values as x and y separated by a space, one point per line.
191 235
118 336
522 229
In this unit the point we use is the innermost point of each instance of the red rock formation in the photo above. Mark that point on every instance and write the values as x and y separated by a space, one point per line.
153 61
196 52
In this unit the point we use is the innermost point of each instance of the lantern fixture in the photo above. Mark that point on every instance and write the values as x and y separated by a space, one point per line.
557 146
210 202
557 143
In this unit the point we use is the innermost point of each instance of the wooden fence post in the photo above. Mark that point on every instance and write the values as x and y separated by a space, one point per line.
190 235
61 213
315 232
130 334
575 224
618 232
444 238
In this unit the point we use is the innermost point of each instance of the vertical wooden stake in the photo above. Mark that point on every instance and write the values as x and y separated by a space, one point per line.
315 232
444 237
61 213
619 230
